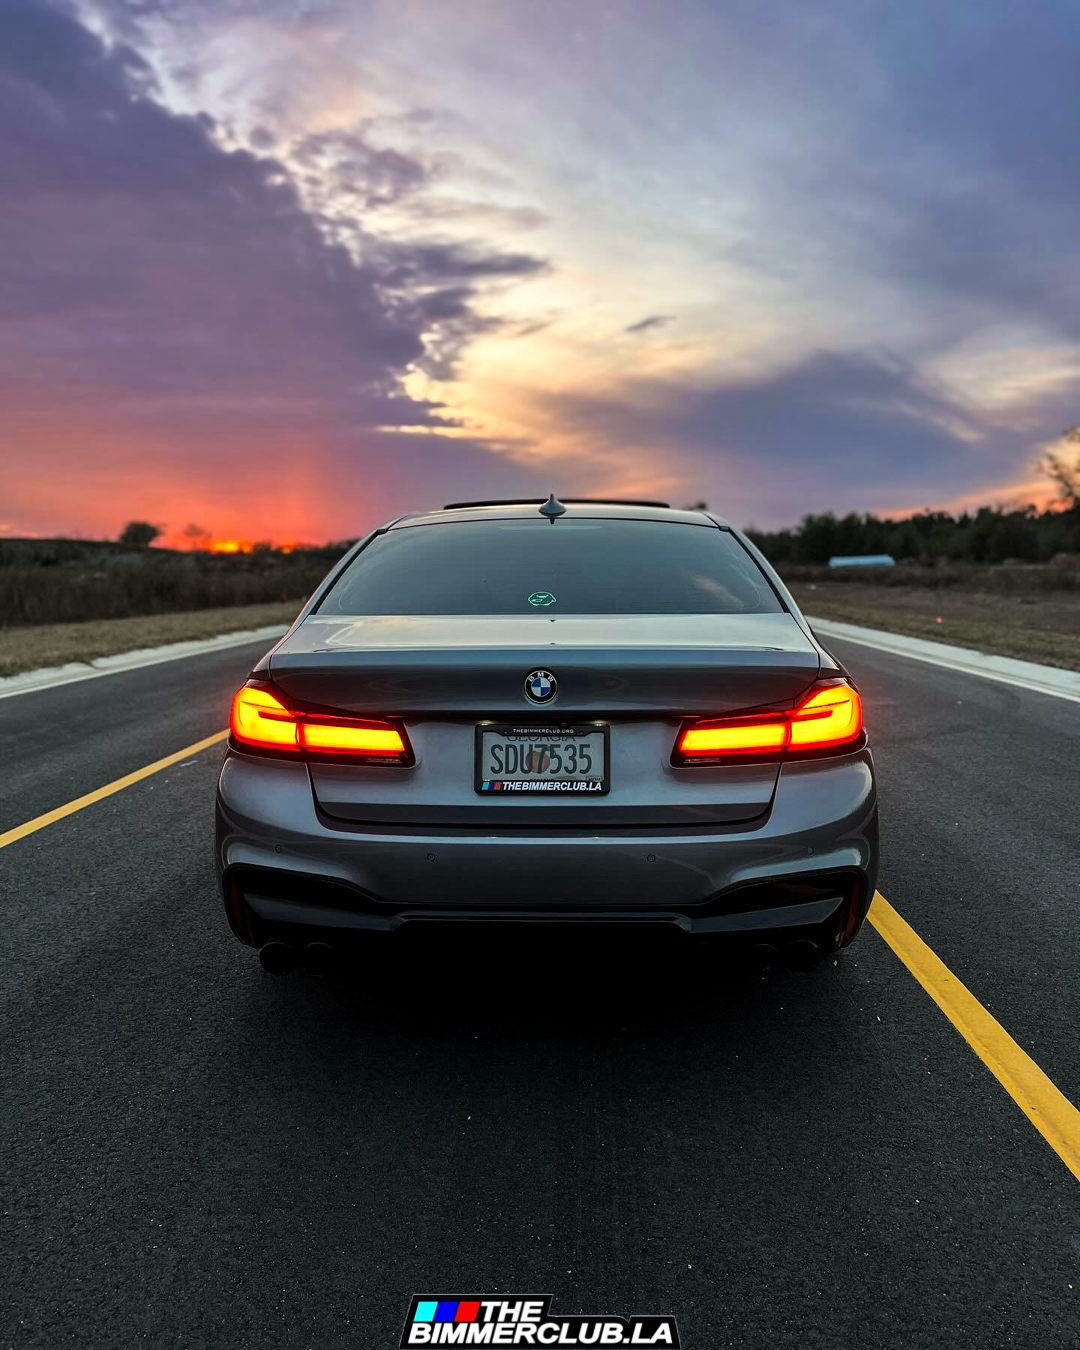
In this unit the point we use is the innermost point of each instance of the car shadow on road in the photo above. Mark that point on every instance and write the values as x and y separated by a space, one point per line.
593 1118
540 1004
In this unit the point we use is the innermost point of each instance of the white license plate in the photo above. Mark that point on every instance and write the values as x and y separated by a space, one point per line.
567 761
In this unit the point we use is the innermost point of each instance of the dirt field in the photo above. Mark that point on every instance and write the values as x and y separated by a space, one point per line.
54 644
1042 627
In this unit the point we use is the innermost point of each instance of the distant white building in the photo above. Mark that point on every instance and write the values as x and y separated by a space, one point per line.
865 560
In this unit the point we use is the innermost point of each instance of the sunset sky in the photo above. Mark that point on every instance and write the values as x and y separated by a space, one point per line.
283 269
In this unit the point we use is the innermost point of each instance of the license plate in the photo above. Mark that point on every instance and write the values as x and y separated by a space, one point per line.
567 761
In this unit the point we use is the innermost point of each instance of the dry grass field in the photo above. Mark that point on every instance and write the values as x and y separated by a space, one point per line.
1039 625
56 581
55 644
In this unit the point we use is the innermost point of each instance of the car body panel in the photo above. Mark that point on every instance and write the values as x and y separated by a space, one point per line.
583 510
646 789
644 673
822 820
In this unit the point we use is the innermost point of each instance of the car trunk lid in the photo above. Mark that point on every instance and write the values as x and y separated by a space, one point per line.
640 673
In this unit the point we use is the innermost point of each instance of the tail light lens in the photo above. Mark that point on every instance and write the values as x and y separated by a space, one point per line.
330 736
261 720
258 718
828 718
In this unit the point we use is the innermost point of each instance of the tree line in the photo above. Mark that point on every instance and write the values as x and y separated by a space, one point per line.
988 535
991 534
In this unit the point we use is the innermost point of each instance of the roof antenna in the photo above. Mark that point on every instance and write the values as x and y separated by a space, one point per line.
553 509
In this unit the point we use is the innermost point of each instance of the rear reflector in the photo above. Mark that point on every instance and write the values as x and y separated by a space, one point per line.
829 717
260 719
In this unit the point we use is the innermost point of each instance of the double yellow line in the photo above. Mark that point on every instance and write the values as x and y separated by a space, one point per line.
1052 1114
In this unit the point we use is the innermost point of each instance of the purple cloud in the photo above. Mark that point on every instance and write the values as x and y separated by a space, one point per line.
834 430
153 283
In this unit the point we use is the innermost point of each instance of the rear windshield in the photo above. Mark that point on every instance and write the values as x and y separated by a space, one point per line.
571 567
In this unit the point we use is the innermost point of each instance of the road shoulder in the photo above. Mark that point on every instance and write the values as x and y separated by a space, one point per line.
1007 669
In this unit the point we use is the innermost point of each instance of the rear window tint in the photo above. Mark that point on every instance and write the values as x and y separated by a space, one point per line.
572 567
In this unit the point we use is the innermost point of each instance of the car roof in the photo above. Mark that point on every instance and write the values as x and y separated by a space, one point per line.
580 510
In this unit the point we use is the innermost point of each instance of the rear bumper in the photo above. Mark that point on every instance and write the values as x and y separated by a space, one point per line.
284 866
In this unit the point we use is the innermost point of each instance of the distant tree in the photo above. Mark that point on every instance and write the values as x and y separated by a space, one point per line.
819 538
139 533
1063 468
197 536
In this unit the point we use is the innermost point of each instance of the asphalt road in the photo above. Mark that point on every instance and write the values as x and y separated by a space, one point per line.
196 1154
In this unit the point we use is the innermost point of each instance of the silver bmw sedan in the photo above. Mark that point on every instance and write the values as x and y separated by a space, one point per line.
577 714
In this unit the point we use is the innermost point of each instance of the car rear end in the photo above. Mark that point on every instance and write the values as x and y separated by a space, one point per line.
616 720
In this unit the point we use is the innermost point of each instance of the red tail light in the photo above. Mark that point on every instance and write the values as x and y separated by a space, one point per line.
260 719
331 736
826 717
829 717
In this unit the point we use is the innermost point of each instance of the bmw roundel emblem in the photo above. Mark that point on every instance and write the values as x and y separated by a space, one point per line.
541 686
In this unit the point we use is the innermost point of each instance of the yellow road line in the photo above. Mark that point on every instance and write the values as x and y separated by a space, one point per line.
39 822
1052 1114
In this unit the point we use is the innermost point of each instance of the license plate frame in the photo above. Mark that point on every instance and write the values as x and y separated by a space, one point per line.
539 731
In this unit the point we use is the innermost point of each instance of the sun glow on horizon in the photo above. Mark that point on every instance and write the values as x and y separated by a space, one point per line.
208 544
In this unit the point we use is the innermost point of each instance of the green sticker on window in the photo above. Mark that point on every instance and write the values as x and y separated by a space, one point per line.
541 599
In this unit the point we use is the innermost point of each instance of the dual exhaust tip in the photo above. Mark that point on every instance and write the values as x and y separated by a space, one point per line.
279 958
803 955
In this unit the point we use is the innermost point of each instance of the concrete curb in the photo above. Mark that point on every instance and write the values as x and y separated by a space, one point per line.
50 676
1023 674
